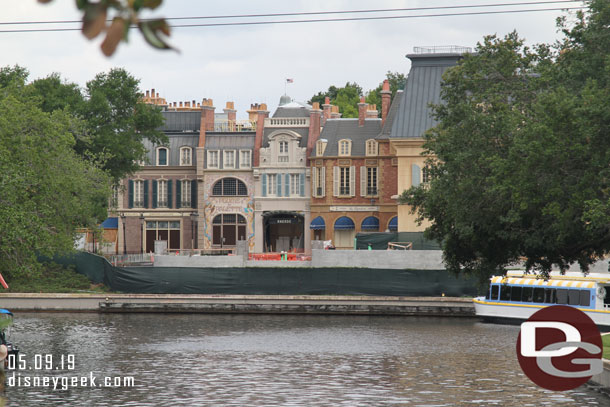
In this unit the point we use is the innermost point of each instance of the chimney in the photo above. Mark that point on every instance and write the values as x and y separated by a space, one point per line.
326 108
147 94
361 112
371 112
334 112
262 114
314 127
207 111
231 115
386 96
253 112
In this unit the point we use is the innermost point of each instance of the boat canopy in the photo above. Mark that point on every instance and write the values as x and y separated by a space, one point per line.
5 311
543 283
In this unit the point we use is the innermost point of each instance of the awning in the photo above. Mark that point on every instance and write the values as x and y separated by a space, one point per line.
111 223
318 224
393 226
370 223
344 223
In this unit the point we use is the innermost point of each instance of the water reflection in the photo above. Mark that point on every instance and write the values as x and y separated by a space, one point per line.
262 360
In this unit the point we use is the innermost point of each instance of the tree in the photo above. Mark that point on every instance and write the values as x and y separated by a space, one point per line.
347 98
56 94
47 191
520 157
117 122
397 81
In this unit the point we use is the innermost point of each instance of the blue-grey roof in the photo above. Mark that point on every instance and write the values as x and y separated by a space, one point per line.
230 141
391 118
423 88
181 121
176 140
338 129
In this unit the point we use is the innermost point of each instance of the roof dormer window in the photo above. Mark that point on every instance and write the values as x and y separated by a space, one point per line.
345 147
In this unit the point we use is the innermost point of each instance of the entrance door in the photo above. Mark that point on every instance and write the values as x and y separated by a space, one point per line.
284 232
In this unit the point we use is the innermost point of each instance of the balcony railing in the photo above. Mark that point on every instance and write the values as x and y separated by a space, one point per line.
287 122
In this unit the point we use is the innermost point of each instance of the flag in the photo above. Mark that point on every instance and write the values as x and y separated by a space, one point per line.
289 80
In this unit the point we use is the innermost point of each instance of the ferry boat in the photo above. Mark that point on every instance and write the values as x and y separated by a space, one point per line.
6 348
517 296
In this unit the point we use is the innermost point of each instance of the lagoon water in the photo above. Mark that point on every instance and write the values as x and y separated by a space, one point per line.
276 360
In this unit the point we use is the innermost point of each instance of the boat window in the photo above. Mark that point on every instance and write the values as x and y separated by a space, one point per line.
585 298
538 294
495 291
549 296
562 296
515 293
505 293
528 294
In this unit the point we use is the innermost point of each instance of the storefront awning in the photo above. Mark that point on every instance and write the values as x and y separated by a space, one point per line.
393 226
110 223
344 223
317 224
370 223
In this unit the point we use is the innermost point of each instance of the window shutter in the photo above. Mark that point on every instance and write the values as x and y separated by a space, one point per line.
179 193
415 175
169 193
279 184
154 194
352 180
336 179
146 194
264 188
287 185
323 182
130 188
377 188
302 176
314 180
193 193
363 181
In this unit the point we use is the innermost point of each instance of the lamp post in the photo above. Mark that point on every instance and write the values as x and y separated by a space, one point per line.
124 236
142 233
193 229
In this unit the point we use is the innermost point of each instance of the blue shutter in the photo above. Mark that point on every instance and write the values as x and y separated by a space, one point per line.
169 193
302 176
146 193
130 188
279 184
264 191
415 175
179 193
287 186
193 193
154 194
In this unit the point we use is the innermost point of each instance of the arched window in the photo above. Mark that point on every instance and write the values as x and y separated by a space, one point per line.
229 187
345 147
228 228
162 156
371 148
283 154
186 156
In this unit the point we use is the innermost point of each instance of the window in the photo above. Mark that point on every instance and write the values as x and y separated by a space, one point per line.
495 291
585 298
295 184
162 194
114 202
283 152
505 293
228 228
538 294
162 230
344 147
229 187
371 147
271 184
515 293
244 158
368 181
185 194
319 181
550 296
283 147
562 296
162 153
320 147
344 179
212 159
186 156
425 175
229 159
138 194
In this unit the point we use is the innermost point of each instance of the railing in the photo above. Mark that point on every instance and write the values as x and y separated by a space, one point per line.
400 246
287 122
442 49
235 126
132 259
202 252
282 256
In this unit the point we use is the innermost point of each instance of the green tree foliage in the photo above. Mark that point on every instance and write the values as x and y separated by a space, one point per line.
397 81
47 191
55 94
347 98
522 168
117 122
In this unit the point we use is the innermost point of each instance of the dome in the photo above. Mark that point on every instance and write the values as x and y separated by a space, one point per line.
285 99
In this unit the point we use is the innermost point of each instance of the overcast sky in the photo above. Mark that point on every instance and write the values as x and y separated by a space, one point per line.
248 64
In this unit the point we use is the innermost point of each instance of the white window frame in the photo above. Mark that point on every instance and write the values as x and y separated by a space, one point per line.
166 156
365 185
319 182
225 160
138 193
345 148
425 175
186 156
349 181
245 162
185 193
295 184
372 148
320 147
162 198
272 184
283 155
213 163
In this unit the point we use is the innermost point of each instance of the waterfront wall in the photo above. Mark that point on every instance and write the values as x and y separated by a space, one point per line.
602 380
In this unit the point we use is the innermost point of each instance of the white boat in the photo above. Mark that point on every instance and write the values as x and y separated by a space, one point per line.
517 296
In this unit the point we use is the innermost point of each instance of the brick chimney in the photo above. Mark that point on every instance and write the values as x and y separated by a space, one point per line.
334 112
261 115
207 112
326 108
231 115
371 112
314 127
362 107
386 97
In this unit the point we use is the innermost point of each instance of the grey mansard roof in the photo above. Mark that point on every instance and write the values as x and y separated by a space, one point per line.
176 141
181 121
338 129
423 88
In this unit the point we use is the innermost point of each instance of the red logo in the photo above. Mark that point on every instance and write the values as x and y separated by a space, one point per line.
560 348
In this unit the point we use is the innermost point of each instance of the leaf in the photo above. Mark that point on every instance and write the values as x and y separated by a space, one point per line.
94 20
151 31
151 4
44 1
114 34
